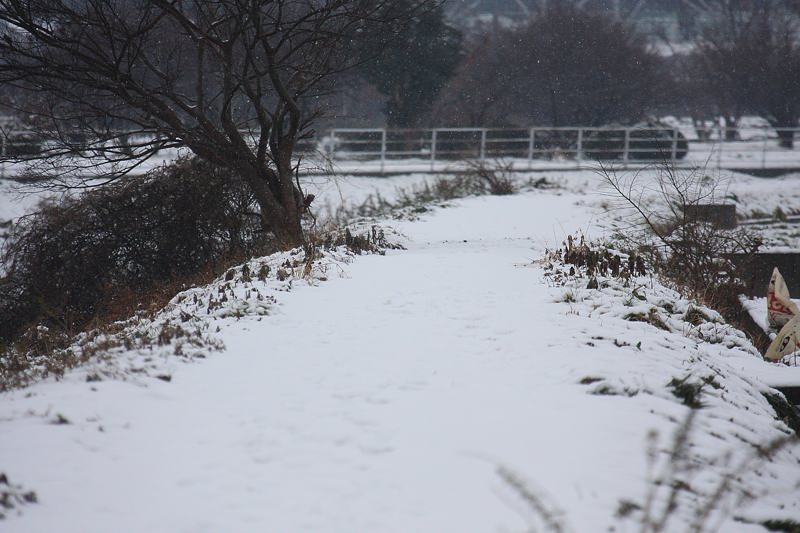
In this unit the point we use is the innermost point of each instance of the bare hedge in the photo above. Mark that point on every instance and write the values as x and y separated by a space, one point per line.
66 264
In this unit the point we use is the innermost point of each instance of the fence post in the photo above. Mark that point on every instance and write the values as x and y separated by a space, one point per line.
483 144
627 146
433 148
383 150
579 155
332 153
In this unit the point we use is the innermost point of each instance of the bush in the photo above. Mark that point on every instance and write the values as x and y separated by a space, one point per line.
83 257
692 254
648 141
495 177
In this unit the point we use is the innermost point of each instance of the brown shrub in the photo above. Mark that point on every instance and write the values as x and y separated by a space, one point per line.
120 246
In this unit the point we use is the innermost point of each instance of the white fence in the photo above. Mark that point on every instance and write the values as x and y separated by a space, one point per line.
387 150
442 149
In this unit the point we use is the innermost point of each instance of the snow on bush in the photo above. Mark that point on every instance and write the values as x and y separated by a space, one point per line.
188 327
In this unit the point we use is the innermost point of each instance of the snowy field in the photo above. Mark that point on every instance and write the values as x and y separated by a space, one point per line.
456 385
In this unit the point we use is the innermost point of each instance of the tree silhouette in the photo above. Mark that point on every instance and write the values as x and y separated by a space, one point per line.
232 80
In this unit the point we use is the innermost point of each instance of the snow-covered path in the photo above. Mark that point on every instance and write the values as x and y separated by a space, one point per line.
384 401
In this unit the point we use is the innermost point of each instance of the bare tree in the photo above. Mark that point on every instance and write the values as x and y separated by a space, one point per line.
565 67
662 221
748 59
476 95
232 80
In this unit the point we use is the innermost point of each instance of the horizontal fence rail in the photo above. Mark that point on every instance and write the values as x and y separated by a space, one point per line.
710 147
19 144
440 149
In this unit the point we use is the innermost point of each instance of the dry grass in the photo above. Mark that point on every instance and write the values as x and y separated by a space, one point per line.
13 497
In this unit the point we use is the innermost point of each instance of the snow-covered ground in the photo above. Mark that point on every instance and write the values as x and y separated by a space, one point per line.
451 386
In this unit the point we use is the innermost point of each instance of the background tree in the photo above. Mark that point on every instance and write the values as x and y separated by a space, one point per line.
476 94
232 80
566 67
412 67
748 60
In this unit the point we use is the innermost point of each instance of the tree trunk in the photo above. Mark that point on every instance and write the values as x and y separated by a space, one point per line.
554 119
281 210
286 227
